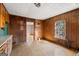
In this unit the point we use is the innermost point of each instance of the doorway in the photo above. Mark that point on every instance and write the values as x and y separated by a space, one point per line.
29 32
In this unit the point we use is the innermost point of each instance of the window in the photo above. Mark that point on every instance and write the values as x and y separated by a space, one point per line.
60 29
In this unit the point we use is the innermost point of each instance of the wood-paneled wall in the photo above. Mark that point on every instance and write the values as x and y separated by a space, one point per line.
38 29
47 28
15 25
72 29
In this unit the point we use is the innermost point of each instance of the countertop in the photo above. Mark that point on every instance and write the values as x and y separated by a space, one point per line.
3 39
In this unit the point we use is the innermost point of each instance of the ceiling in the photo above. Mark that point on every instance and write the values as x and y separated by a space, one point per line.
45 11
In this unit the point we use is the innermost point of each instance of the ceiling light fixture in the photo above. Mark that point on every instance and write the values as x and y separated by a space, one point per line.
37 4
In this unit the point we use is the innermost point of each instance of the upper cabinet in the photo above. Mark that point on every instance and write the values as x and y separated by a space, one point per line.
4 17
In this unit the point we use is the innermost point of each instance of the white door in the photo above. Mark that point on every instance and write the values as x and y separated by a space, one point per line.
29 32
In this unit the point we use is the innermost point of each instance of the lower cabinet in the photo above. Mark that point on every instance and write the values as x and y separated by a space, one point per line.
6 48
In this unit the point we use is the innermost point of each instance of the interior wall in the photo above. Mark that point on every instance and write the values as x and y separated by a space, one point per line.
20 35
72 29
47 28
17 28
38 29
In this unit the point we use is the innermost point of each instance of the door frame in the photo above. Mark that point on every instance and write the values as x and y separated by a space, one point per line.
33 31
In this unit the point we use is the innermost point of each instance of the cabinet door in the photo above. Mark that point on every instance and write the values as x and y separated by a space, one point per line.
2 16
2 22
9 46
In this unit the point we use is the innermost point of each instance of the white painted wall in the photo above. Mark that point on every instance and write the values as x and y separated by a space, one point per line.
45 11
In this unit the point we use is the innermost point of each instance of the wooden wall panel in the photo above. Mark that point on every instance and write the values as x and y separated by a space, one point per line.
72 29
15 28
38 29
77 18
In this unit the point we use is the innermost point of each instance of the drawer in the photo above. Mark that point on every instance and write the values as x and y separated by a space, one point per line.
3 50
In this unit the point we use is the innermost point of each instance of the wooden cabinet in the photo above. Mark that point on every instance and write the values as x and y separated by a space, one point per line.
4 17
6 46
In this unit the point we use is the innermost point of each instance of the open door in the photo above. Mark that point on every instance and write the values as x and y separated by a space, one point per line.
29 32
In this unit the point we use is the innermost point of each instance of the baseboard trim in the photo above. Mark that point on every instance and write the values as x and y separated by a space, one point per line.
59 44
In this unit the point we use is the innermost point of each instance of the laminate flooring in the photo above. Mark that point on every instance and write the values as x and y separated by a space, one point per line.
41 48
